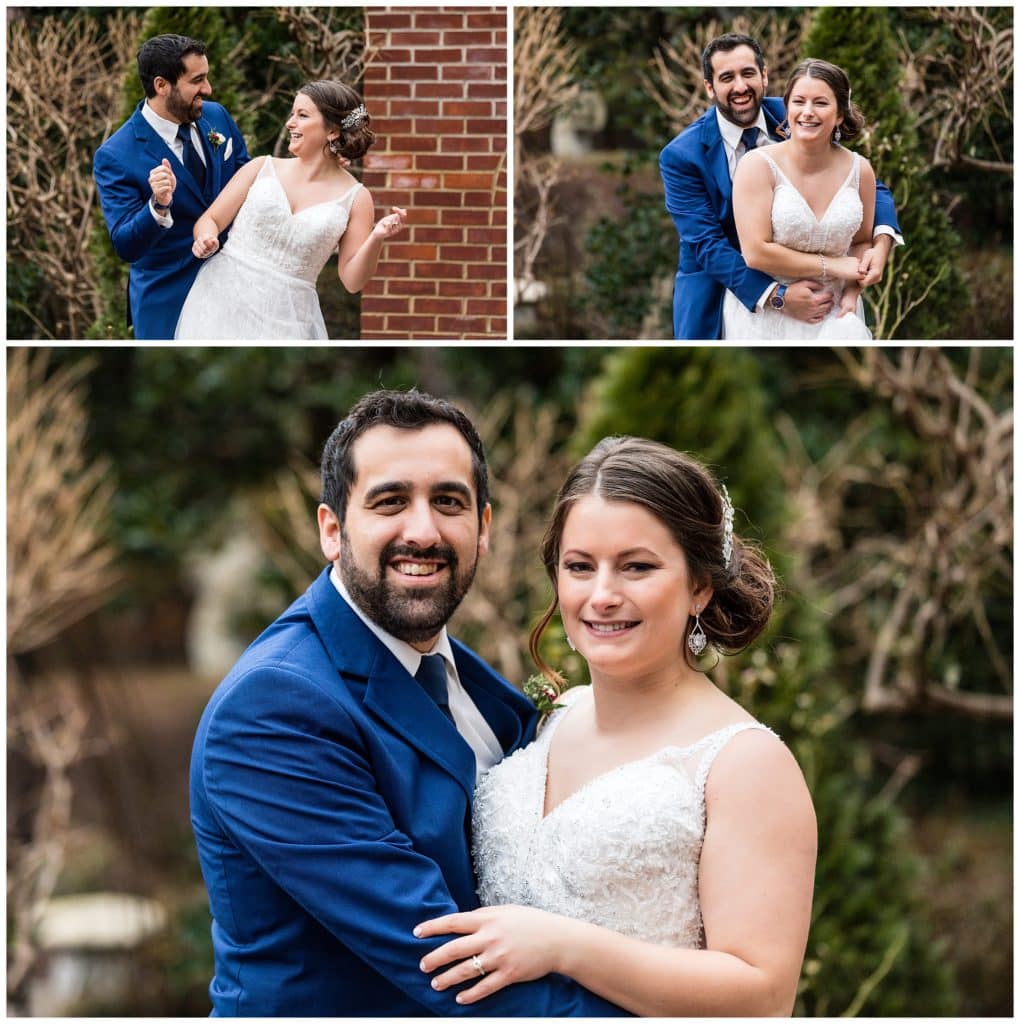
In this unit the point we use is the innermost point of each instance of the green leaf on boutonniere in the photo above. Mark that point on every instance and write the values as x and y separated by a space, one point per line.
542 694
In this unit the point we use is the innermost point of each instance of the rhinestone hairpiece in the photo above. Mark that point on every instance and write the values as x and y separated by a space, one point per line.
727 539
355 117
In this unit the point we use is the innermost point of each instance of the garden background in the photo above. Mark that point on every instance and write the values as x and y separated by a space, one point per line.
434 80
161 512
598 92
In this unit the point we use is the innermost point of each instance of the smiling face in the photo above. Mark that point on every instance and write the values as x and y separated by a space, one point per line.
411 537
183 99
737 85
624 589
307 127
812 110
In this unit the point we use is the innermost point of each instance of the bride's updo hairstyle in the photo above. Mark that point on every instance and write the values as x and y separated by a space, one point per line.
836 79
681 493
343 110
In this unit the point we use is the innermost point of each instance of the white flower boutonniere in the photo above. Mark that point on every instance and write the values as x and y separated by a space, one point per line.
216 139
542 694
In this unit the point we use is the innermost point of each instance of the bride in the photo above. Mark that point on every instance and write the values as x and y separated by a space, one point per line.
290 217
655 843
804 208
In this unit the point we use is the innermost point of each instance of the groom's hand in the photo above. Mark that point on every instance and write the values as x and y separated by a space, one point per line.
808 300
163 181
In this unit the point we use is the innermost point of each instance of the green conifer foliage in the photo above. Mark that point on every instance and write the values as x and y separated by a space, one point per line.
922 290
869 952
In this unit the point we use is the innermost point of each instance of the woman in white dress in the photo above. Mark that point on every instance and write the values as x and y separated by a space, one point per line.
288 218
804 209
655 843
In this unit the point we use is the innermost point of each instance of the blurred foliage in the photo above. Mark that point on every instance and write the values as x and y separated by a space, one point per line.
870 950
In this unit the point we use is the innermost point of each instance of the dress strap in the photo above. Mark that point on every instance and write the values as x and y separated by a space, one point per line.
855 172
715 743
776 172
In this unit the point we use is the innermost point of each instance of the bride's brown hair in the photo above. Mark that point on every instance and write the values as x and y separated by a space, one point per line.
838 81
336 101
681 493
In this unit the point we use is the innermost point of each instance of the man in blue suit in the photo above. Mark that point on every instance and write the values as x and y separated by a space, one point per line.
159 172
333 769
697 171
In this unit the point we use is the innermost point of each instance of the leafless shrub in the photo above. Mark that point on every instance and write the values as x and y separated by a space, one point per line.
955 94
60 562
63 100
903 595
543 84
676 82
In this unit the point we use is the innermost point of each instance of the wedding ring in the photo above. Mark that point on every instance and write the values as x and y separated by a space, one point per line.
476 963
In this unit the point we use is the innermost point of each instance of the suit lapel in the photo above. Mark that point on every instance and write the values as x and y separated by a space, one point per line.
212 164
715 159
510 715
390 694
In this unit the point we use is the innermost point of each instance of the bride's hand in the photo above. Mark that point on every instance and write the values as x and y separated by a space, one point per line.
392 224
205 246
846 268
511 944
872 264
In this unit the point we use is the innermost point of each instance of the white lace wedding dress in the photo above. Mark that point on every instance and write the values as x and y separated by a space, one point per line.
261 285
795 226
621 852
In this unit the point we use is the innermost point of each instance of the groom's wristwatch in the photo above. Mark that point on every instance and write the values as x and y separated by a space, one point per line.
777 300
160 206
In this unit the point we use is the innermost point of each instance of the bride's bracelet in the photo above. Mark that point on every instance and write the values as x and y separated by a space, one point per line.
825 272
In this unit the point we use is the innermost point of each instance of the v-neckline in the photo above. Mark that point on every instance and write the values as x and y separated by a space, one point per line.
305 209
803 198
544 815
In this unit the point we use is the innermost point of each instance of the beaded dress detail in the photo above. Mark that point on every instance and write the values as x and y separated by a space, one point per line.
621 852
795 225
261 285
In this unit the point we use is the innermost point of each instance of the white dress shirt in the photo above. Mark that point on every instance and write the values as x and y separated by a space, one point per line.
167 131
470 722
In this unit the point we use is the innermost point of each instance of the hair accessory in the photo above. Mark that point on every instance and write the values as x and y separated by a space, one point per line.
727 537
837 135
696 639
355 117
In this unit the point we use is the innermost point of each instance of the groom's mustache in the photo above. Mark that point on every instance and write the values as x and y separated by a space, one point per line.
435 553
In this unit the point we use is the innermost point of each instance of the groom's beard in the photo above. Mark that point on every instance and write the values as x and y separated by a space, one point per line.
186 113
413 618
745 116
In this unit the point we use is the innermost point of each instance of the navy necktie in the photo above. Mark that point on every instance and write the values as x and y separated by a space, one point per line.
191 160
432 676
749 137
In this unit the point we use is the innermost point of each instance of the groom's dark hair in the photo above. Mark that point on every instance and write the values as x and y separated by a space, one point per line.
406 410
725 43
163 57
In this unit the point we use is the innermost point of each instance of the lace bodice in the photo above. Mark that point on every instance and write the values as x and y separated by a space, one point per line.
296 244
795 225
621 852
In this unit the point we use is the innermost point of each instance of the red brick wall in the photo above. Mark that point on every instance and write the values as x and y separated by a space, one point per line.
436 89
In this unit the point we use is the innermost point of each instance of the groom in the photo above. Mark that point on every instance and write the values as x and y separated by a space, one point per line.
697 170
333 769
159 172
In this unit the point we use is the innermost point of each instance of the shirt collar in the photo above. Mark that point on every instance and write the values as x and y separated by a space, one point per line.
400 649
164 128
731 132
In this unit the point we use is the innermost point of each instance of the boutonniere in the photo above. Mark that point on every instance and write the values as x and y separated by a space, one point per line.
783 130
542 694
216 139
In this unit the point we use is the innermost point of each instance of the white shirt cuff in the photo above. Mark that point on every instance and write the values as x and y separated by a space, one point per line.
760 304
884 229
164 220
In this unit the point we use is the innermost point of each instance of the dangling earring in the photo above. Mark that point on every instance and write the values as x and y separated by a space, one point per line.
334 146
837 135
696 639
570 643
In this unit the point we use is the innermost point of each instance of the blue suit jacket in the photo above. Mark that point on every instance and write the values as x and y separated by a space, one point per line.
331 803
162 265
699 196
